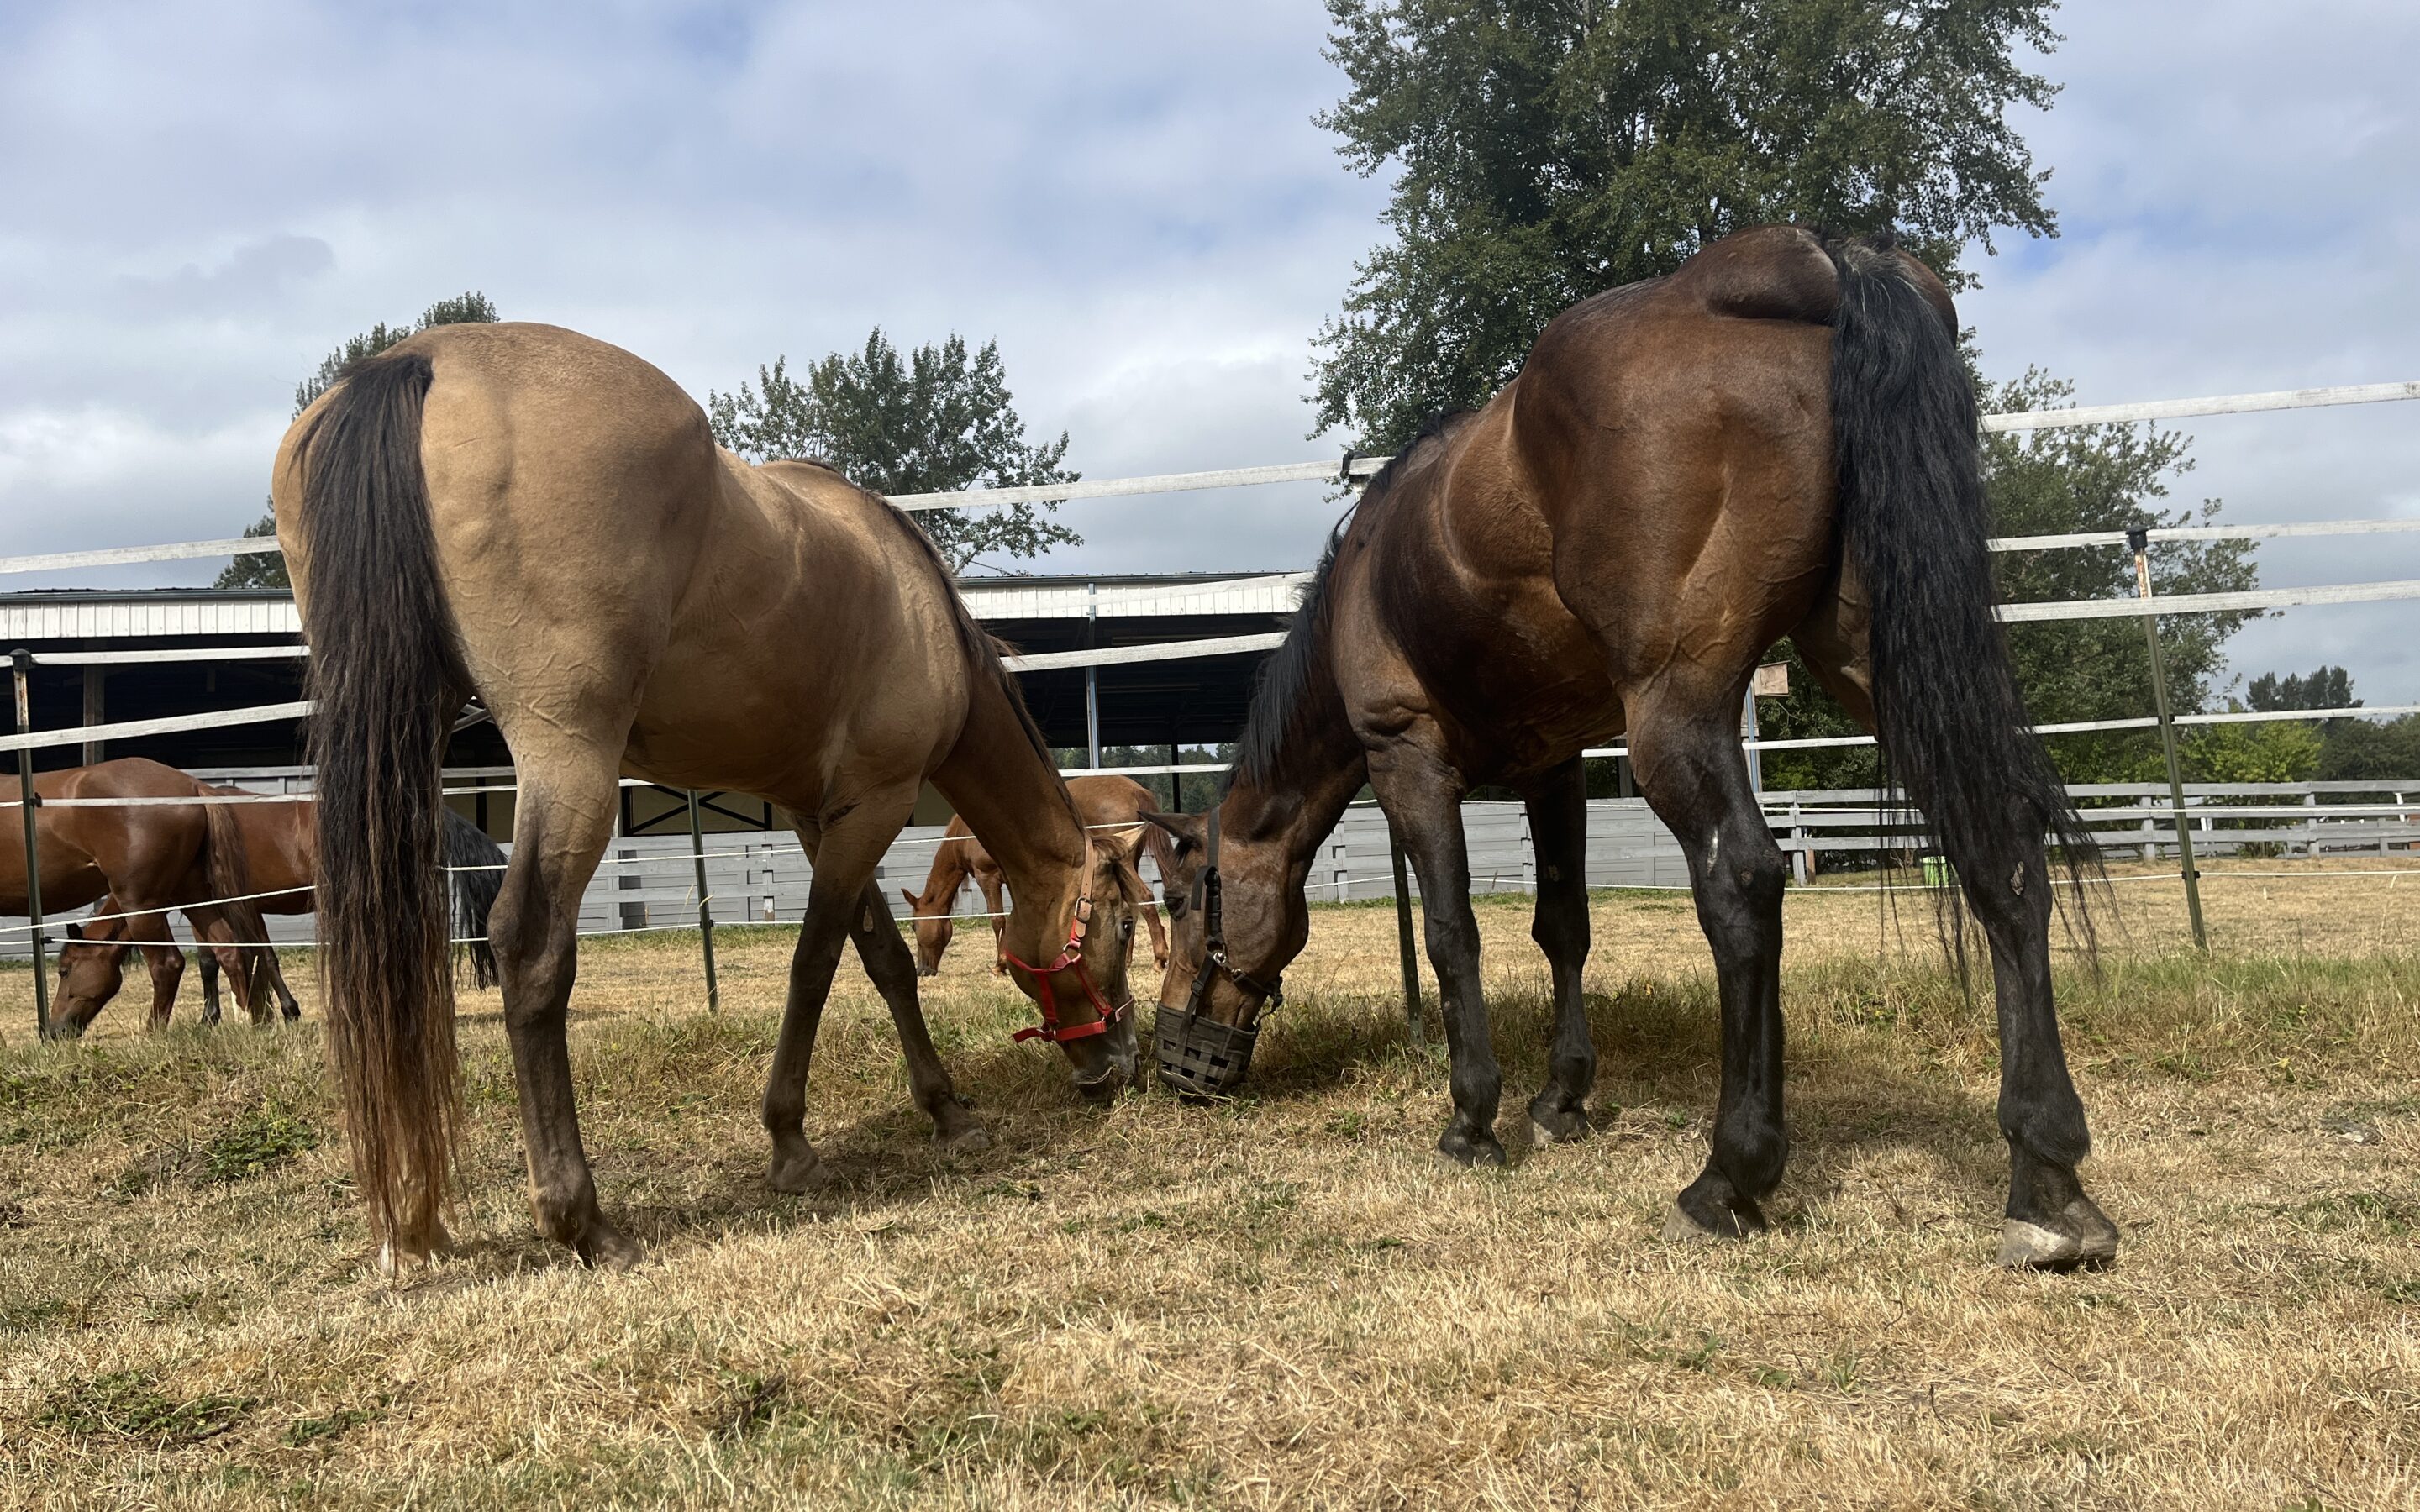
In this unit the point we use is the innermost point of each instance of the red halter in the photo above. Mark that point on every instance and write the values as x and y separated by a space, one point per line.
1071 956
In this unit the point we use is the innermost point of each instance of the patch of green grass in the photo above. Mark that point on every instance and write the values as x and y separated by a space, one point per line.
306 1431
129 1404
255 1144
2341 1210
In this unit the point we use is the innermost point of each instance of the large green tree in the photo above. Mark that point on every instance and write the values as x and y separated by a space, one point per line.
267 569
934 420
1547 150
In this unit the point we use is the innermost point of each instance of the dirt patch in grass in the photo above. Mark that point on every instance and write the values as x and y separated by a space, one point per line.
1282 1300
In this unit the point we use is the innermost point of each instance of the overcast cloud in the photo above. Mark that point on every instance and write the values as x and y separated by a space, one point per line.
201 200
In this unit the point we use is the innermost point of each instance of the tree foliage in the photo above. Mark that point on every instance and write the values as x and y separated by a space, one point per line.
930 421
2326 688
268 570
1549 150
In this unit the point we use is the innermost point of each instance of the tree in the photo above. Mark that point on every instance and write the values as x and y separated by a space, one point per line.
1549 150
267 569
2329 687
2057 481
936 420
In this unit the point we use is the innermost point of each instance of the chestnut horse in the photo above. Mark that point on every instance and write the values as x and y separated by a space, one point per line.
1112 808
148 857
540 519
281 849
1777 440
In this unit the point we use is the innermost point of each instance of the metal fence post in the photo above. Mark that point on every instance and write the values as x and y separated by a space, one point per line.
1404 935
2138 540
23 660
705 907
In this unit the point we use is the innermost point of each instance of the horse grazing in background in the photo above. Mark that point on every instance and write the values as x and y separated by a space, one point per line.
540 519
1778 439
1112 808
281 849
151 859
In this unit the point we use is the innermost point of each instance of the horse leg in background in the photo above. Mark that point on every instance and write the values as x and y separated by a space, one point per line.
1139 893
268 980
842 855
989 880
1558 831
1423 796
563 817
214 941
162 958
1695 776
209 980
888 961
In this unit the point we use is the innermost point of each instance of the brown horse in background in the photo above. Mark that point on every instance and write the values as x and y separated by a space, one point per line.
1779 439
150 858
540 519
1112 808
281 851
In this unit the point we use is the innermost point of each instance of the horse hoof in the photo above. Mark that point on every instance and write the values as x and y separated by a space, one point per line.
971 1139
1471 1149
604 1247
1736 1219
797 1172
2079 1238
1558 1124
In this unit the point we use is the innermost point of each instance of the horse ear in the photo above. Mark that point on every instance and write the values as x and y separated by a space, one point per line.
912 899
75 932
1190 829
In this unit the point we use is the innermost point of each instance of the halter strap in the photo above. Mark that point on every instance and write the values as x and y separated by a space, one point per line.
1213 955
1071 957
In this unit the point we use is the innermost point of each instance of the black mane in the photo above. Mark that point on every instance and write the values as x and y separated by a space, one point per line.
1291 685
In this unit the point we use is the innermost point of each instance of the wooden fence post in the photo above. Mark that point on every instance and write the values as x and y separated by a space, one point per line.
705 908
2138 540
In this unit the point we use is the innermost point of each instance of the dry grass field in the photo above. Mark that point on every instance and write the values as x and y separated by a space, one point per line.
1281 1302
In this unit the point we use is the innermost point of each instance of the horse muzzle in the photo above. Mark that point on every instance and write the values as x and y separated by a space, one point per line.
1200 1056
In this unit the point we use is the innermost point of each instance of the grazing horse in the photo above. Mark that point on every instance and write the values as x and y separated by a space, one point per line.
281 849
523 514
1779 438
1110 805
149 858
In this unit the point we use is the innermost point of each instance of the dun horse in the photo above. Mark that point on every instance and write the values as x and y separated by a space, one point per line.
1112 808
281 851
526 514
1777 440
149 858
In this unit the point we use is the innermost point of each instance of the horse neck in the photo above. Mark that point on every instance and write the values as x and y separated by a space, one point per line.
1011 796
1296 802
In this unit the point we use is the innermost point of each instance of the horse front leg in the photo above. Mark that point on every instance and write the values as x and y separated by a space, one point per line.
1423 796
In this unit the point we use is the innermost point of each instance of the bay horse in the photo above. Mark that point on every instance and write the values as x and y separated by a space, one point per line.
526 514
149 858
1109 804
1779 438
281 851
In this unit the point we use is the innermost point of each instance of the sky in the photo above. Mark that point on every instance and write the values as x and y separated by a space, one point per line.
1133 200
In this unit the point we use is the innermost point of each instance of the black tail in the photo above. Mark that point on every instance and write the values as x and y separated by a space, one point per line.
476 866
1909 465
382 667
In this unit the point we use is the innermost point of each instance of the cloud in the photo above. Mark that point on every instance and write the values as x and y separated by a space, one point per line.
1131 198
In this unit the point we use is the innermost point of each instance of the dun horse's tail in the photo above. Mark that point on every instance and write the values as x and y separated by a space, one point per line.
477 873
1909 467
228 873
382 666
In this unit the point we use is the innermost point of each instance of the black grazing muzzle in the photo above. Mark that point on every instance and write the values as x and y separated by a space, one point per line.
1200 1056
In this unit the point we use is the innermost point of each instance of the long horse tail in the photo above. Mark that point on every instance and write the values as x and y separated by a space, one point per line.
475 864
228 872
382 667
1914 521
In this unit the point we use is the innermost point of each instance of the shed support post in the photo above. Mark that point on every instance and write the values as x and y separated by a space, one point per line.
23 661
2138 539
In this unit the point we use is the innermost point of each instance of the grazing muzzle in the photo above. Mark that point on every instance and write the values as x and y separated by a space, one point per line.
1200 1056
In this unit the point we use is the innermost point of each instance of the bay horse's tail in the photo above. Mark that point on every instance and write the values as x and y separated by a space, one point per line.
1914 521
228 873
381 666
476 869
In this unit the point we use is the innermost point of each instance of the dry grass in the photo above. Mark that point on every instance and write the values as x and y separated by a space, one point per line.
1283 1301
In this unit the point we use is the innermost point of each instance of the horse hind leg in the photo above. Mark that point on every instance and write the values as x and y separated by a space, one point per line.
1559 829
1694 777
563 818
